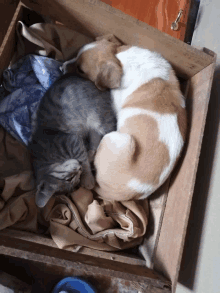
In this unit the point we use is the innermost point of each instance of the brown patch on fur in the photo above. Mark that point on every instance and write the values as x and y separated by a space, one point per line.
157 95
100 65
151 155
113 168
161 96
144 157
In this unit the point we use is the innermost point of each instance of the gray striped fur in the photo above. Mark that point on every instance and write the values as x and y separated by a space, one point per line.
72 118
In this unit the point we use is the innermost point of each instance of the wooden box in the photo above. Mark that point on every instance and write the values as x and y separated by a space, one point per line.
121 272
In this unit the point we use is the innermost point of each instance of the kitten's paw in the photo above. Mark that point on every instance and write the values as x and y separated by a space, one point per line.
88 181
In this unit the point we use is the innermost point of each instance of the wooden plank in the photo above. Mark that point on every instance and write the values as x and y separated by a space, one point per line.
157 203
89 264
27 236
11 284
157 13
10 39
8 44
172 236
7 10
95 18
45 277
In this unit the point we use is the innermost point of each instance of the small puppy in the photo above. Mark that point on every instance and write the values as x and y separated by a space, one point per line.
135 160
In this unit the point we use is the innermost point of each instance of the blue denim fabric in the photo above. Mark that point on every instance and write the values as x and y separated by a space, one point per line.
23 86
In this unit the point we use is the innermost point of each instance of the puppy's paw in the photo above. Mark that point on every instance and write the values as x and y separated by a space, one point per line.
88 181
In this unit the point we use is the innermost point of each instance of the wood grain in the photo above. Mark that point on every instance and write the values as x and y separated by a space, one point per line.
9 283
94 18
157 13
157 203
78 262
171 241
45 276
7 10
8 44
41 239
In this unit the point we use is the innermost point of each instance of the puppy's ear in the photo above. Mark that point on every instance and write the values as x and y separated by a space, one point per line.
110 38
44 192
110 75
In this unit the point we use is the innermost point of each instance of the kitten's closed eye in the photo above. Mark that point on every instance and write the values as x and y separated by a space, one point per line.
71 177
69 172
62 178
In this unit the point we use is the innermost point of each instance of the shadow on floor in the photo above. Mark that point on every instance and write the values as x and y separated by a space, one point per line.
198 210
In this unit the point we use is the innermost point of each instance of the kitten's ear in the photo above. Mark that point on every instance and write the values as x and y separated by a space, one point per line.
44 192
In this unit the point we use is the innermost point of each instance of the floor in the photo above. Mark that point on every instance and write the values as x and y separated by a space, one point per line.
201 259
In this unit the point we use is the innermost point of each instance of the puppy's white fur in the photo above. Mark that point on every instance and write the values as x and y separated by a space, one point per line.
117 171
139 67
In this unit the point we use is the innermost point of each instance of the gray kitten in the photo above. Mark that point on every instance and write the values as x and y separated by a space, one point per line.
72 118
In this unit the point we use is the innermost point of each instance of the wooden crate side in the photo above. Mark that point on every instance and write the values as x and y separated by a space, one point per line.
7 10
46 276
157 203
172 236
9 283
89 264
8 44
94 18
116 256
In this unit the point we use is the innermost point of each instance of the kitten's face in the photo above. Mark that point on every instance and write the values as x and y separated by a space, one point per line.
58 179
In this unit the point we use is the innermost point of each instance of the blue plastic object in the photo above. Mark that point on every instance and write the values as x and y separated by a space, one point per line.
73 285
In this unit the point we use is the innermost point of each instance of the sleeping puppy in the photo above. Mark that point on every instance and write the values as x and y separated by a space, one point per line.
135 160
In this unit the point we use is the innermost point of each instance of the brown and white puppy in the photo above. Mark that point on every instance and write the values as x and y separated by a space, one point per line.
134 161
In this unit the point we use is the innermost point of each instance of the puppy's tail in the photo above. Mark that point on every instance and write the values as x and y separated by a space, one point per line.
113 162
117 146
